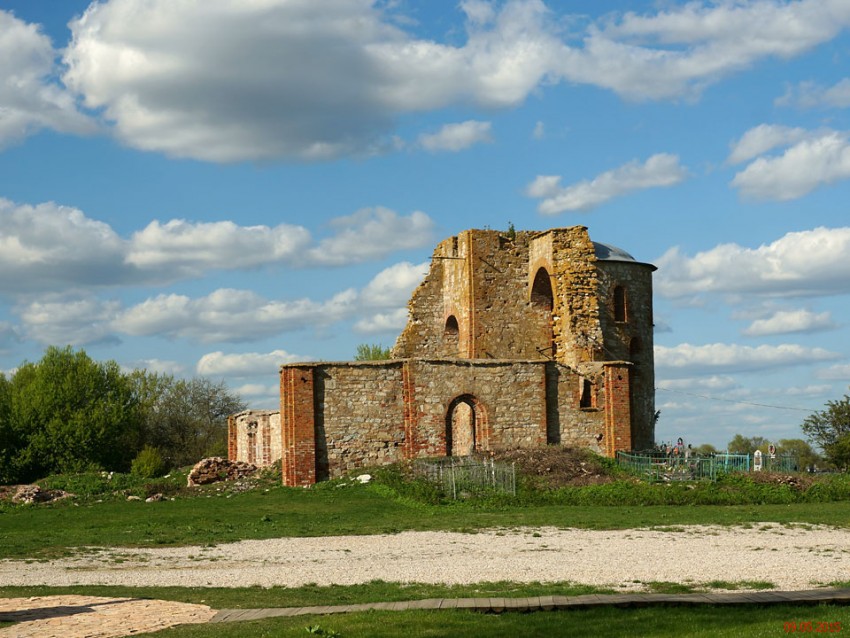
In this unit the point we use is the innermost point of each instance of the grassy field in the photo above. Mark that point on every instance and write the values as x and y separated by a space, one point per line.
610 621
375 591
102 516
282 512
752 620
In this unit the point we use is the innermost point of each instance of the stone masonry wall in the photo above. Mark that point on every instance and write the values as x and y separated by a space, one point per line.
508 397
483 278
632 340
578 332
373 413
508 325
570 423
359 416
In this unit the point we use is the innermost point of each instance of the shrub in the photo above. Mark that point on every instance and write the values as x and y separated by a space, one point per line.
405 486
89 484
148 463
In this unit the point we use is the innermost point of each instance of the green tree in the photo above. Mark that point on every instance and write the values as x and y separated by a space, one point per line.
804 453
8 444
743 445
186 420
705 449
838 453
68 413
828 429
372 352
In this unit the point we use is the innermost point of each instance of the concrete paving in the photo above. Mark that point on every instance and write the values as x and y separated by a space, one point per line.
100 617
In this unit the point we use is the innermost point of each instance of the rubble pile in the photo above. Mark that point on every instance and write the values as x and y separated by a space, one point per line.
34 494
216 468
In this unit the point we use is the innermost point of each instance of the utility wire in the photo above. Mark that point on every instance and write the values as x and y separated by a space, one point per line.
760 405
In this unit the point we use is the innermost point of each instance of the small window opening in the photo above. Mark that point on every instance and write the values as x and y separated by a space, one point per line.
588 396
619 304
634 347
451 337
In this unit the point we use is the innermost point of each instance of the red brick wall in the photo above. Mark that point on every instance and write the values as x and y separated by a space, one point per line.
618 428
231 438
297 425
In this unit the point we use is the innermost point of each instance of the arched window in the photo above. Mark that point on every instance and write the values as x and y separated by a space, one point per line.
620 309
543 298
634 347
451 337
541 290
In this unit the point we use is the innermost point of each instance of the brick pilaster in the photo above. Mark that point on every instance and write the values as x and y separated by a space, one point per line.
618 418
297 425
411 412
231 438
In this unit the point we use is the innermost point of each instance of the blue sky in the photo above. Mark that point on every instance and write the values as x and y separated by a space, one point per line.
214 187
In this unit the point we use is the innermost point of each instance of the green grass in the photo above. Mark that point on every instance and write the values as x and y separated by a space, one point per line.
751 620
665 587
219 517
721 622
375 591
311 595
102 517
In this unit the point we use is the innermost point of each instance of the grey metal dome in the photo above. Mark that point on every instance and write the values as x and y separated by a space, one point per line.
606 252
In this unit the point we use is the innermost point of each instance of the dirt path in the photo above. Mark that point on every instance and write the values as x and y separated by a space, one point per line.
94 616
799 557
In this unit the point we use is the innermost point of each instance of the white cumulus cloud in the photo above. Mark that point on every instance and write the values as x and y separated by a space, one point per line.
29 99
711 358
245 364
229 315
661 170
49 247
382 322
812 95
680 50
191 248
790 321
371 233
393 285
225 82
457 137
764 138
224 315
799 264
839 371
807 165
69 319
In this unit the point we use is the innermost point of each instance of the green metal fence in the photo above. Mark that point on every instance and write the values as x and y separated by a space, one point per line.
658 466
460 476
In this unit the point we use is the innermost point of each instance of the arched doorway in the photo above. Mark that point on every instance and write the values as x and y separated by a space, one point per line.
464 419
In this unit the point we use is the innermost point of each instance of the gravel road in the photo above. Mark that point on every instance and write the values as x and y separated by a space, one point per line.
797 557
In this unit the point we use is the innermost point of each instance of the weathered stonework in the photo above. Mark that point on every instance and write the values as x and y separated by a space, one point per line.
512 341
254 437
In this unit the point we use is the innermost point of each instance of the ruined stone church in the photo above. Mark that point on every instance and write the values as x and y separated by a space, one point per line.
513 339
